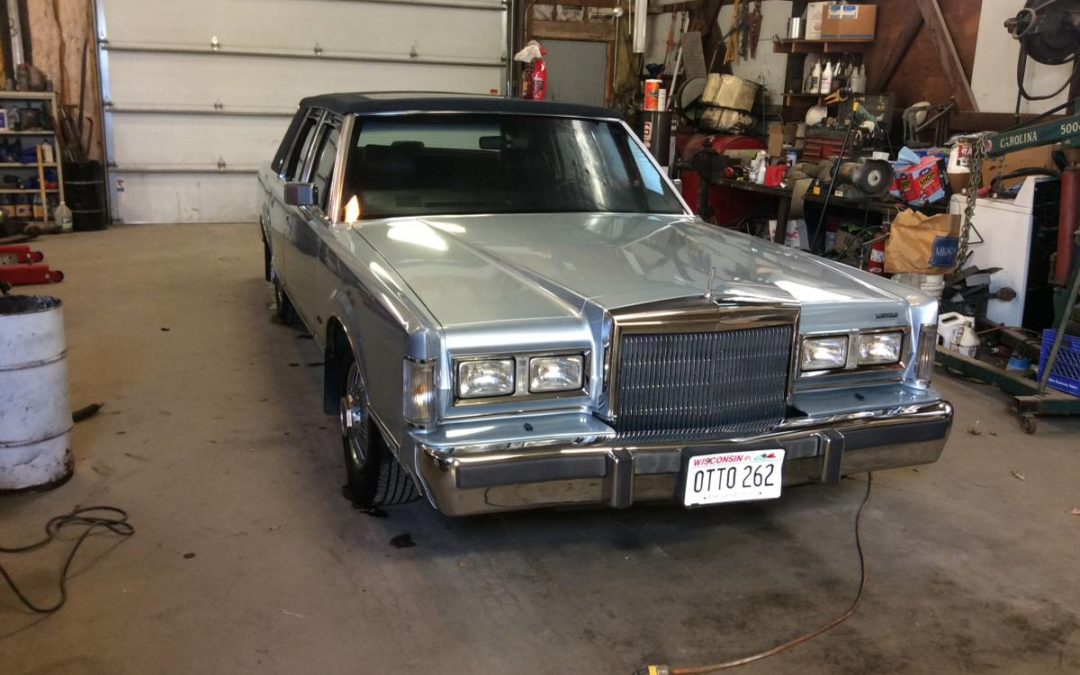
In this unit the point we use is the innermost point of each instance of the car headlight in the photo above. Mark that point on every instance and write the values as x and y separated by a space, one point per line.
480 379
556 373
823 353
877 349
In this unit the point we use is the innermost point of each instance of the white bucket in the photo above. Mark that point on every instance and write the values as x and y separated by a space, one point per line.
932 284
35 411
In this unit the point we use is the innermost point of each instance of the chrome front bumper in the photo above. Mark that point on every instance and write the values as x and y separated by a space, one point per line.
471 480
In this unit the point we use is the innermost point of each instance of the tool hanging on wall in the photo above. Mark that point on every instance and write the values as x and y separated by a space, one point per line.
744 27
731 51
754 32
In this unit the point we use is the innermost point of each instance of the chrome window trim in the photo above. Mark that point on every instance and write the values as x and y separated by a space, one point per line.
306 165
852 367
521 377
696 315
334 204
328 123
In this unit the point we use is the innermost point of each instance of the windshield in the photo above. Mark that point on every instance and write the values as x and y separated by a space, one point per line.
413 165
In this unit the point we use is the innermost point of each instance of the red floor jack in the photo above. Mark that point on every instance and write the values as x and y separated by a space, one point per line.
20 266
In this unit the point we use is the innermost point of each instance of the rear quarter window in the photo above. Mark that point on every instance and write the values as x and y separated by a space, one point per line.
287 141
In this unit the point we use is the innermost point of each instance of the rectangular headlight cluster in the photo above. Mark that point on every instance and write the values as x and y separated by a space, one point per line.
831 352
488 378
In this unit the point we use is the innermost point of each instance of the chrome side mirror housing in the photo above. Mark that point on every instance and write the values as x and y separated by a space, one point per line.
300 194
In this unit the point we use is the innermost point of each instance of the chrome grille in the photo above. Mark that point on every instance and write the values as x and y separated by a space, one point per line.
702 385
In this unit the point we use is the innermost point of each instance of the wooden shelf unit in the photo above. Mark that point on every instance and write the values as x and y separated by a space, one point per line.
799 101
821 46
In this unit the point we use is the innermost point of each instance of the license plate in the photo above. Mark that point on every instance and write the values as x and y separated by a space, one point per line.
733 477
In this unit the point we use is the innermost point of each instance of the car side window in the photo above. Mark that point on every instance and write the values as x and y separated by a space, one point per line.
323 167
287 141
305 136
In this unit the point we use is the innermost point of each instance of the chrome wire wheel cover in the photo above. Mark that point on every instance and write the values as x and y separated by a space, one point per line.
354 418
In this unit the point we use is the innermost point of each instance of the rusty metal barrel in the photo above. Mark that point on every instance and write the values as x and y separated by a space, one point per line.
35 409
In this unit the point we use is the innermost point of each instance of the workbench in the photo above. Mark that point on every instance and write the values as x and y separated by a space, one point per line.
883 207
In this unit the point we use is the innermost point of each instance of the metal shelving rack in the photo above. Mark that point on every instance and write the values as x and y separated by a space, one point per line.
45 101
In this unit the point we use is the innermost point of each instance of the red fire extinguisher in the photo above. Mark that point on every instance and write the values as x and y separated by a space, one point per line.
876 263
538 79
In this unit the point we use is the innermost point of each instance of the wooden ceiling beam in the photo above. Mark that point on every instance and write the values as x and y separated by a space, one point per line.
950 60
896 54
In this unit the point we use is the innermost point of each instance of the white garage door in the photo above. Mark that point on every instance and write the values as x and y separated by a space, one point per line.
199 92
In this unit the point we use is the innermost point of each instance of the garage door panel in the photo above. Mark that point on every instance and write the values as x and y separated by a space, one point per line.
278 84
335 25
184 198
176 106
171 140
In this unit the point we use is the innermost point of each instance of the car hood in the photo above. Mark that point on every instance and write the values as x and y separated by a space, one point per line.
490 268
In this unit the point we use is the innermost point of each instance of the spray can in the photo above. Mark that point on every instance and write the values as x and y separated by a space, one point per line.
652 94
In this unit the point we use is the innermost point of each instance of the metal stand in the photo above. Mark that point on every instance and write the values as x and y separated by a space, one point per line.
1030 397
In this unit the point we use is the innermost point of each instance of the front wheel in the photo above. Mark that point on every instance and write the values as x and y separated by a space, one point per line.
373 476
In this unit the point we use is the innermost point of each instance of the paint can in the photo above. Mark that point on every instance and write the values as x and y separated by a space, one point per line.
652 95
796 28
35 410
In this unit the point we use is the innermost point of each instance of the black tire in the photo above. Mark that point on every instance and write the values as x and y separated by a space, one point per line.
283 308
267 260
373 476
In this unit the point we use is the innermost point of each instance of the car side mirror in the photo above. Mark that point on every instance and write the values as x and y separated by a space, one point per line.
300 194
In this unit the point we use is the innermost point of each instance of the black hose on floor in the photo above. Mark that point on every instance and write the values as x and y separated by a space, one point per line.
117 523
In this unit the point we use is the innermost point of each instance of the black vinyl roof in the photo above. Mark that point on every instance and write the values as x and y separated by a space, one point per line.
363 103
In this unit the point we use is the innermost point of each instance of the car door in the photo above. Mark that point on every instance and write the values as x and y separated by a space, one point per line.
315 220
284 218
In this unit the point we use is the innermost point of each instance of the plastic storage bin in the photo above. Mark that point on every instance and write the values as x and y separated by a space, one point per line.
1066 374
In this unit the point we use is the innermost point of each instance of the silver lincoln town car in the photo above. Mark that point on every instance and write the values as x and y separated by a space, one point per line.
518 310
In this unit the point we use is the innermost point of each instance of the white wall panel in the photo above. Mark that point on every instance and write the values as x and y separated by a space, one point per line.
168 80
176 105
166 139
184 198
336 25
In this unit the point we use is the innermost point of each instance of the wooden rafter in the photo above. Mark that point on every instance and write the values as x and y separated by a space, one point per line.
896 54
950 60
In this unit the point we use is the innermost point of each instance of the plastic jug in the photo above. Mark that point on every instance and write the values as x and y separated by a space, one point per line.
969 342
951 327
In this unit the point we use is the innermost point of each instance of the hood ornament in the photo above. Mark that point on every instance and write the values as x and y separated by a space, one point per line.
709 283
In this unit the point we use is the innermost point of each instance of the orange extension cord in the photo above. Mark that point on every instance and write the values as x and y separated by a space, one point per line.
699 670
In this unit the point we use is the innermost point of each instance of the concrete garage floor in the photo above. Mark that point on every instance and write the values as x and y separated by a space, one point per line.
248 559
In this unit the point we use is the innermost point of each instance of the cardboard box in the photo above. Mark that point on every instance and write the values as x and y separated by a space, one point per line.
849 22
815 14
1032 158
921 183
776 139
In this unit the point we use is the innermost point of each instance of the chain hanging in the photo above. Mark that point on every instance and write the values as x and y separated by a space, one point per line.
978 153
